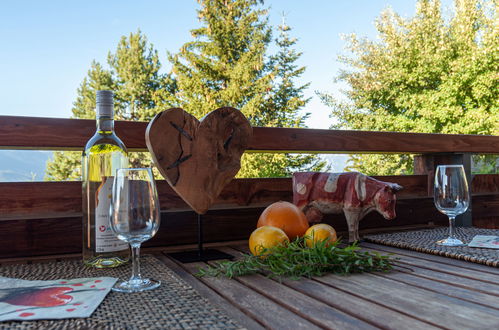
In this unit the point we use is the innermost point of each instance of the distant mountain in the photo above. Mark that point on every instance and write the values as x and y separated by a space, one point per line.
338 162
23 165
29 165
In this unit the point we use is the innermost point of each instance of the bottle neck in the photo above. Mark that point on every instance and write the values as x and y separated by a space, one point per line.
105 125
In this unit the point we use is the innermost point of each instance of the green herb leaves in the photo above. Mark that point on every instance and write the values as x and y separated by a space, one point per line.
295 260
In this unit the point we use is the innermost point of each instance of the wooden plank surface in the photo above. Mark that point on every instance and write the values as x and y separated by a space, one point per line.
259 307
428 306
352 305
450 289
301 304
37 200
450 269
46 133
24 200
426 296
431 257
419 296
29 200
35 237
62 134
206 291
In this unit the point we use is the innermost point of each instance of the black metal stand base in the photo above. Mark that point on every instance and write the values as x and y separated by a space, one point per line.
194 256
200 254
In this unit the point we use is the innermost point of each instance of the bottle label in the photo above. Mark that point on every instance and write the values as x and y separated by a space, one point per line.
105 240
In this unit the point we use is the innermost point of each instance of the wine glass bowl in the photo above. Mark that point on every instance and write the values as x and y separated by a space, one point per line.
135 219
451 197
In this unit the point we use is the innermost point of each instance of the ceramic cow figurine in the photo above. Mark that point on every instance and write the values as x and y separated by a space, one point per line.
353 193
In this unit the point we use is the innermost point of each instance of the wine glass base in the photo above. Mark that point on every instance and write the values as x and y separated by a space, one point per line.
450 242
139 285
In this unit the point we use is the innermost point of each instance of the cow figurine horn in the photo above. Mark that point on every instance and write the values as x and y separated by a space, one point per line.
396 187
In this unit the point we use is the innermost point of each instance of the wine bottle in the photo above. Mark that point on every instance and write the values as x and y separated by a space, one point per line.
104 153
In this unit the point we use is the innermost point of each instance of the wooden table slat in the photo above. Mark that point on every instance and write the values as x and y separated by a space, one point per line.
308 308
448 289
210 294
422 292
435 287
446 277
352 305
260 308
433 258
449 269
423 272
436 308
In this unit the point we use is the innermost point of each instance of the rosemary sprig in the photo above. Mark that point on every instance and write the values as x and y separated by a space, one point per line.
295 260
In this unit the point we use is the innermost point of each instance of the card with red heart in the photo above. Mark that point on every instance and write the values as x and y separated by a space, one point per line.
59 299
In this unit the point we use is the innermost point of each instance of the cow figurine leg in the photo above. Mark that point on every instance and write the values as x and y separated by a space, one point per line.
353 219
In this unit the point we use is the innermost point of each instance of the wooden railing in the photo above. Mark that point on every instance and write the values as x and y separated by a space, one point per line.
40 218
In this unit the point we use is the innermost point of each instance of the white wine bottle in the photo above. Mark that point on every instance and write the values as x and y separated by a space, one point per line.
103 155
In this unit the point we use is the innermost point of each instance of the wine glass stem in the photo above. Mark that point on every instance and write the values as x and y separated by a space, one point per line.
135 261
451 226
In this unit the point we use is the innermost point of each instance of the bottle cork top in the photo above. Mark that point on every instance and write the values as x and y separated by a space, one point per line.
104 101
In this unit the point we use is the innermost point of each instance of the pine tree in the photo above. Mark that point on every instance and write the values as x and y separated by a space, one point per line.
426 74
226 65
282 109
66 165
140 88
141 91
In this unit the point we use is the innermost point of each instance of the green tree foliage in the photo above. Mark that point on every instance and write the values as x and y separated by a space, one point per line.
226 65
425 74
141 92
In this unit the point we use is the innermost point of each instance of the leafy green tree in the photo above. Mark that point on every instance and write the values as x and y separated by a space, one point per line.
141 92
426 74
226 65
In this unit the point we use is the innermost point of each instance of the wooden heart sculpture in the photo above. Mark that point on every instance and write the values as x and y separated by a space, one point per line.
198 158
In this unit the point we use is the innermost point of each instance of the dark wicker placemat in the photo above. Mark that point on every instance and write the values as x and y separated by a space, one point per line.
174 305
424 241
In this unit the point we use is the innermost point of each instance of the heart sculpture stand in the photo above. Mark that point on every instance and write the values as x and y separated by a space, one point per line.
197 159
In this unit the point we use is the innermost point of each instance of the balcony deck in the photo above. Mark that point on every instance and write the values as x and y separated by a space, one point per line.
422 292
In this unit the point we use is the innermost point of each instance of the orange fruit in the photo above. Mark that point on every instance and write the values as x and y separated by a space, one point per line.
319 233
266 237
286 216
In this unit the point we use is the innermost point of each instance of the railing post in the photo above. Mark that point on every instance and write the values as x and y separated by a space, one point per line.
427 164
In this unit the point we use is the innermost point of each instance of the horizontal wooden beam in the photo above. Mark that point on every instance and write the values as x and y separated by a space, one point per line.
35 237
36 200
72 134
62 134
30 200
343 141
41 237
33 214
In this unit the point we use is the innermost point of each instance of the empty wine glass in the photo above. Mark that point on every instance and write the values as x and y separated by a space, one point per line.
135 219
451 197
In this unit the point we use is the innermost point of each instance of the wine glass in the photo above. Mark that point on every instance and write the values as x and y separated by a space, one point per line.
135 219
451 197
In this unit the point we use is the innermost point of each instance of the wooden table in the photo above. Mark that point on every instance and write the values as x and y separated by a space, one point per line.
423 292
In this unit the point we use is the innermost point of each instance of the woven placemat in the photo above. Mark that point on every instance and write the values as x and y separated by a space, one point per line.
424 241
174 305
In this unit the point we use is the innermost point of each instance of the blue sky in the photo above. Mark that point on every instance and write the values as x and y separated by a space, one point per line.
47 46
